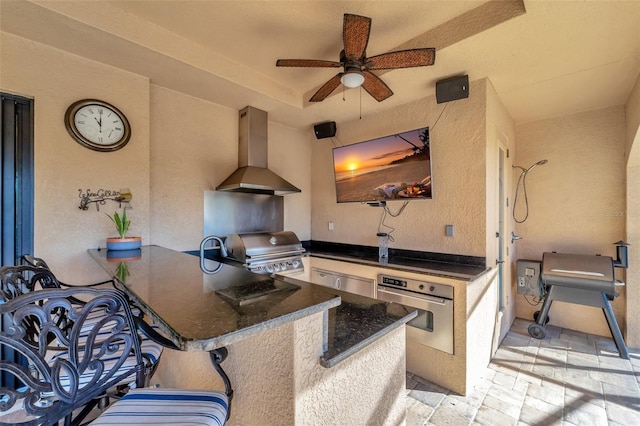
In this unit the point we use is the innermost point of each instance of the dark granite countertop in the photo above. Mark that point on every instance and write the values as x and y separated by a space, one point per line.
451 266
357 322
201 311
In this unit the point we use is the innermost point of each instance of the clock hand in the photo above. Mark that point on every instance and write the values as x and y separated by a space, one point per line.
99 122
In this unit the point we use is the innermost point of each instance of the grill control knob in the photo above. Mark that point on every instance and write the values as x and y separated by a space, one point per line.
269 268
295 263
421 286
432 288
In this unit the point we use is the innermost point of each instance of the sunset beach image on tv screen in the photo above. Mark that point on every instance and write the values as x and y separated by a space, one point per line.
394 167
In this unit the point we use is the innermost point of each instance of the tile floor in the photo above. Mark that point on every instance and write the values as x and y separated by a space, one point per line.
567 378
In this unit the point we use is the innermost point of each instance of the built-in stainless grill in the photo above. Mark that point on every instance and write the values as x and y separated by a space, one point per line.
266 252
581 279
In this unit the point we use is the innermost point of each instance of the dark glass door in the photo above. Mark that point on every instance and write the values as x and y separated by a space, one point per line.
16 189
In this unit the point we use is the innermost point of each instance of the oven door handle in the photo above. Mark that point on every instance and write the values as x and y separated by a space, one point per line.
422 298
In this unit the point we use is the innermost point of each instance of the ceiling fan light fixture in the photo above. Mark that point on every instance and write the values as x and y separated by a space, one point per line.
352 79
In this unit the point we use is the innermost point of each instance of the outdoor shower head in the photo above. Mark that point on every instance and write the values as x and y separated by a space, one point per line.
539 163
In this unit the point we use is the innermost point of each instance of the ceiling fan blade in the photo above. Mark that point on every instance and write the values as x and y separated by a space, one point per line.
376 87
355 35
316 63
326 88
402 59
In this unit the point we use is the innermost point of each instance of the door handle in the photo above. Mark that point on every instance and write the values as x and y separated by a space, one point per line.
514 237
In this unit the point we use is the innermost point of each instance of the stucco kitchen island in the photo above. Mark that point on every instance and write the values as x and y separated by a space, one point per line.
299 353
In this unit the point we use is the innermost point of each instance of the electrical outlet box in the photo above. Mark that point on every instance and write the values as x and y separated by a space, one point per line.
528 277
448 230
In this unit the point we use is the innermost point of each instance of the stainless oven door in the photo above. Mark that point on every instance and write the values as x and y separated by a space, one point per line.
433 326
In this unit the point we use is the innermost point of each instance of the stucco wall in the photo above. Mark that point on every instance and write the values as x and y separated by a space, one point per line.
55 79
192 147
576 200
277 379
458 150
195 147
180 147
632 114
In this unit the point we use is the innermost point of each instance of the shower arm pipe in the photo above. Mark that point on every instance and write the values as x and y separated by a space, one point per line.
539 163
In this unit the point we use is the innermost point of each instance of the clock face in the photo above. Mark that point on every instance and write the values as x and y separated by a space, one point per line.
97 125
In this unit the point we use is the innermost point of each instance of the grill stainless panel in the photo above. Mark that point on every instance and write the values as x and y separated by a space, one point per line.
266 252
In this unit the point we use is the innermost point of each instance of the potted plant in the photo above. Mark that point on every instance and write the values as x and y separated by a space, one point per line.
122 226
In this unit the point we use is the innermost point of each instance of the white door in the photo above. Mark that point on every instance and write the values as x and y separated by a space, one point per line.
503 297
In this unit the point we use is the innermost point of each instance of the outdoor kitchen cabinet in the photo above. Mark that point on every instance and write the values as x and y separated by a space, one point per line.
344 282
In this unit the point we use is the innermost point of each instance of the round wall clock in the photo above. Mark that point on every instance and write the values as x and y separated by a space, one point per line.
97 125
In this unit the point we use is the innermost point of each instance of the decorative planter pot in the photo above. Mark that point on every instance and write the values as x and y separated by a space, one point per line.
131 243
123 255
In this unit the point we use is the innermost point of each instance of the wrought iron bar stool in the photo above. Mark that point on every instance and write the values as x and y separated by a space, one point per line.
41 388
153 343
16 281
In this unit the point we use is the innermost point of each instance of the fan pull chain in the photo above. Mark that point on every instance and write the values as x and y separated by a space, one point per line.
360 102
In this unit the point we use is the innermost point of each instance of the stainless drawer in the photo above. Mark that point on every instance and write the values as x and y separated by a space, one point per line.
348 283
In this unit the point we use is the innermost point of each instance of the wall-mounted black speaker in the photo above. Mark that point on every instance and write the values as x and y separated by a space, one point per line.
325 130
452 89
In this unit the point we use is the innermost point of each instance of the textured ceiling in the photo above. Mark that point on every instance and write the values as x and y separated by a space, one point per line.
544 58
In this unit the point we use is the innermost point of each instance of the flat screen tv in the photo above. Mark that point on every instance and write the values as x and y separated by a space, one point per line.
394 167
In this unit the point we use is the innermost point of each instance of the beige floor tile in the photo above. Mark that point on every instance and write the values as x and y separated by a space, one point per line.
583 413
417 413
622 397
506 407
622 415
428 393
505 380
454 414
491 417
568 378
532 416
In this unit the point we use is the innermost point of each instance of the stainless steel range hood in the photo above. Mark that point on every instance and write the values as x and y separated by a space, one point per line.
252 174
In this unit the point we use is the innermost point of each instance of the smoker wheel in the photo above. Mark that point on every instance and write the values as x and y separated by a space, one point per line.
536 314
537 331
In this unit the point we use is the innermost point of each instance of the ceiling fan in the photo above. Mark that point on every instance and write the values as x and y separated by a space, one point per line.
357 67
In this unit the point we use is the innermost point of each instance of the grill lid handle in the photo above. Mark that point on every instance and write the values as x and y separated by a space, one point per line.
223 251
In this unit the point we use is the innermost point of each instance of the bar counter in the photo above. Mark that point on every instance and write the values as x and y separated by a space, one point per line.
200 311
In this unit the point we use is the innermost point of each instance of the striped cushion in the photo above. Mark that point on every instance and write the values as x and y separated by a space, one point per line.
167 406
150 351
